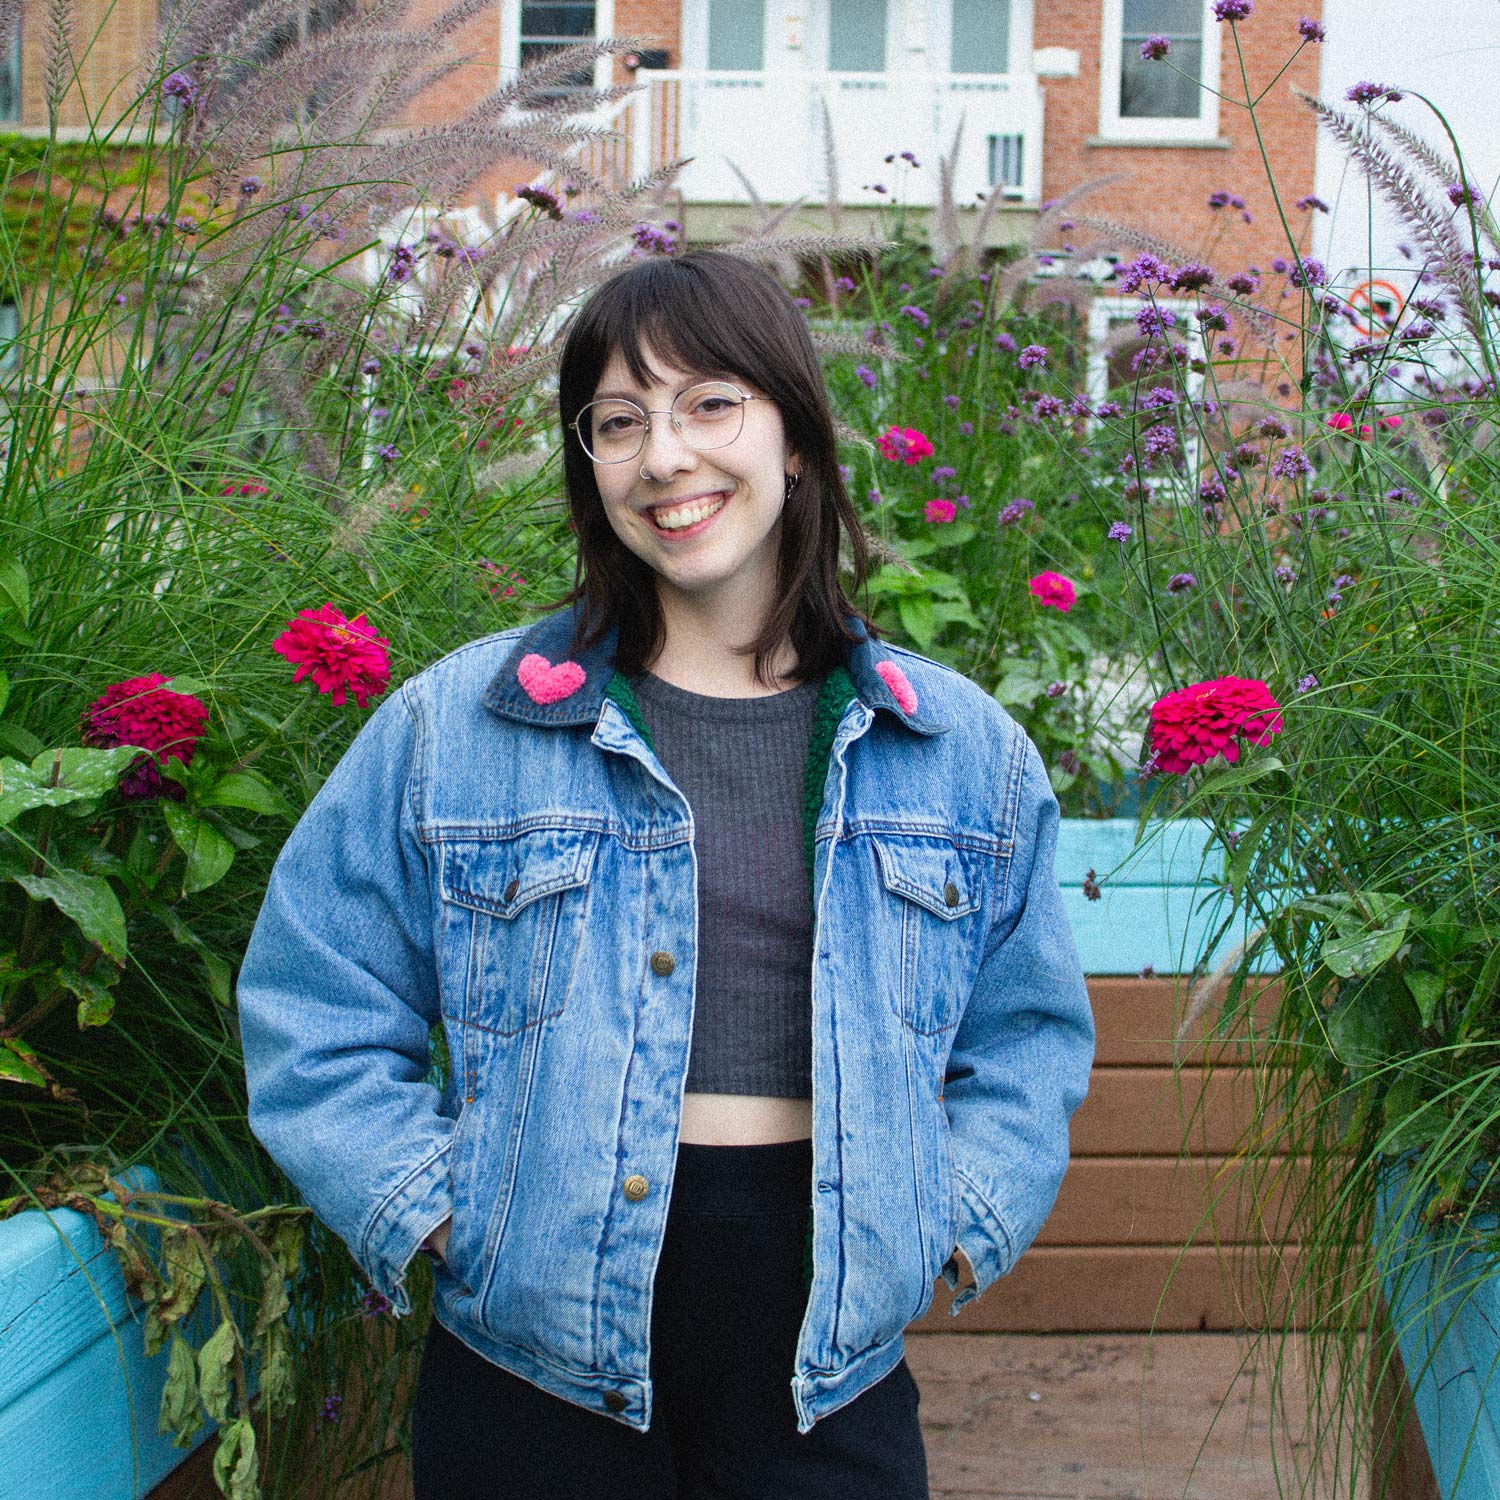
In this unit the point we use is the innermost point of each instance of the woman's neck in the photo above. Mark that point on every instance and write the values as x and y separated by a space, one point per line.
699 653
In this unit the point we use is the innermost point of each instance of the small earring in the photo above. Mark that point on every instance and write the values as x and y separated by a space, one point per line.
644 474
792 481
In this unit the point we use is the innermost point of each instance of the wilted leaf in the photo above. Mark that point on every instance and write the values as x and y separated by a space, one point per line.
96 1000
235 1470
181 1412
215 1362
277 1377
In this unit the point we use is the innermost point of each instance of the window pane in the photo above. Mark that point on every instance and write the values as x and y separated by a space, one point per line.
856 36
981 36
10 76
1163 18
1153 91
543 21
736 34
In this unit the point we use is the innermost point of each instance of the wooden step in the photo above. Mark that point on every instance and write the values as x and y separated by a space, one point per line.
1156 1112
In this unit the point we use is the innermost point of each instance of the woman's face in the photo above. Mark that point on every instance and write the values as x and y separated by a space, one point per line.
725 559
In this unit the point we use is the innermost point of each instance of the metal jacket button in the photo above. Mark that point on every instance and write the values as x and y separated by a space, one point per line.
614 1401
950 894
511 889
662 962
636 1187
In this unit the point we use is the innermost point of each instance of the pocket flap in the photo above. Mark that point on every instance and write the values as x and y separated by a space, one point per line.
503 876
929 871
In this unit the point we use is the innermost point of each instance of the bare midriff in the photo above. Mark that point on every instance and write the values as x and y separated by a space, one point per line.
744 1120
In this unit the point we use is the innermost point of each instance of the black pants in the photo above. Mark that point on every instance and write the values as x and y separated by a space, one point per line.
727 1308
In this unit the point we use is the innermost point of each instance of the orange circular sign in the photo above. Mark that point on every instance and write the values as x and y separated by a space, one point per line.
1381 303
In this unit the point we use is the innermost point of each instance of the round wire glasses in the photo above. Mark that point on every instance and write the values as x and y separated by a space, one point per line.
706 416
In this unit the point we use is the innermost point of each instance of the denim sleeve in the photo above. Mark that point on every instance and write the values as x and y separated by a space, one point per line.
1022 1051
336 997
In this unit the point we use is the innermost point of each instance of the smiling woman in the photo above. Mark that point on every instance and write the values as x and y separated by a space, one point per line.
744 934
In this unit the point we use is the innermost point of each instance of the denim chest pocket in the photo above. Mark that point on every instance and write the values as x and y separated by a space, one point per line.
525 900
935 895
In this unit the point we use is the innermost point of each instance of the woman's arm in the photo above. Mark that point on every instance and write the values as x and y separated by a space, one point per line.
1021 1055
337 996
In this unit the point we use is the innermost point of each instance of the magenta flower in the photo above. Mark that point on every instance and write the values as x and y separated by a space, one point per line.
1013 512
140 711
1310 202
1366 92
904 445
1232 10
1054 590
1154 48
1291 463
341 656
1206 719
940 511
1340 421
1310 30
1032 357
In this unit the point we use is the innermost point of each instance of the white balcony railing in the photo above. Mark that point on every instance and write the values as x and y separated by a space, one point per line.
770 126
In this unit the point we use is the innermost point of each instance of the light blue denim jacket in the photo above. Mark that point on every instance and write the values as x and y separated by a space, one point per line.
523 875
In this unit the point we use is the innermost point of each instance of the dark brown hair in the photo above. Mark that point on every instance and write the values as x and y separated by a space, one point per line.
711 311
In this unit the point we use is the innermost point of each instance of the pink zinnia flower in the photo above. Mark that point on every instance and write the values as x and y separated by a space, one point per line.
1205 719
342 656
1340 421
904 445
140 711
940 510
1054 589
1390 422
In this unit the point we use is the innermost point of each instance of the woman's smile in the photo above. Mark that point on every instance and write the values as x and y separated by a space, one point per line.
688 516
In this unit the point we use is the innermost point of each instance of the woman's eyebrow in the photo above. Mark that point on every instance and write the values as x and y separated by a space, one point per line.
638 396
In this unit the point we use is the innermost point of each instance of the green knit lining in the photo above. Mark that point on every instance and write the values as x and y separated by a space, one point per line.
833 699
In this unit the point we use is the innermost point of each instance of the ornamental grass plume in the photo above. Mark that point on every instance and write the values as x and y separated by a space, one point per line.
341 656
1195 723
141 711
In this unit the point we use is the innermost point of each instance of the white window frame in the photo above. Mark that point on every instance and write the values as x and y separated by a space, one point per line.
1115 127
510 41
1021 23
1108 312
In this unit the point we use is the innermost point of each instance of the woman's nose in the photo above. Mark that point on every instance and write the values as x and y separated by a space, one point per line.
664 451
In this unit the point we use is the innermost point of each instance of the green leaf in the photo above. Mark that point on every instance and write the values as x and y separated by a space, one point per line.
1442 930
18 1062
96 1000
91 772
1427 988
235 1470
247 789
220 979
209 853
1235 778
21 789
15 588
916 620
4 691
1365 951
1018 687
181 1414
14 740
215 1362
1358 1029
89 900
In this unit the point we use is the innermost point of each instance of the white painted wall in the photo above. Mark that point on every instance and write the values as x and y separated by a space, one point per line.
1446 49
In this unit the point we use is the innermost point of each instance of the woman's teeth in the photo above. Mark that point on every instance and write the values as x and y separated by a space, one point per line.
687 515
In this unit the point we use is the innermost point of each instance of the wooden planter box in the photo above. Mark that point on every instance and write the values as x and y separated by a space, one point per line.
1443 1297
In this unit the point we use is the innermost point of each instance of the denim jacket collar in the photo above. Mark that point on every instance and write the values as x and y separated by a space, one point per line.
551 636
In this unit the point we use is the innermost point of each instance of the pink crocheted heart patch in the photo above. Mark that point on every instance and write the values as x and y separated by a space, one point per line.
545 683
895 679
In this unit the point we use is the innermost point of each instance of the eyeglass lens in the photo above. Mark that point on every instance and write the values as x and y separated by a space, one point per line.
706 416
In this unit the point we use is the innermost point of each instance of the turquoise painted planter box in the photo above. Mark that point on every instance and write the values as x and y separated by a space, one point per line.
1451 1351
73 1374
78 1397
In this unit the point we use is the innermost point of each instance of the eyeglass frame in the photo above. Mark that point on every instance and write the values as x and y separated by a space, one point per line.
649 412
